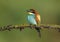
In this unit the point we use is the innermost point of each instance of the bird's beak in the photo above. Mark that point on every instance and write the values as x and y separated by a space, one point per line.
28 10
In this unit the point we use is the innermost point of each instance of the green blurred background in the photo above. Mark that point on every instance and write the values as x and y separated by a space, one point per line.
14 12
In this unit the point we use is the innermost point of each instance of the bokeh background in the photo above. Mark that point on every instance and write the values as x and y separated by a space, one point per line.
14 12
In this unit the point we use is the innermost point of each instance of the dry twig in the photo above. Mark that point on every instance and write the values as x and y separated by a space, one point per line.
10 27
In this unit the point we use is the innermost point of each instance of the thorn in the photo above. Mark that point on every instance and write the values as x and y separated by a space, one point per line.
8 27
21 28
0 28
58 29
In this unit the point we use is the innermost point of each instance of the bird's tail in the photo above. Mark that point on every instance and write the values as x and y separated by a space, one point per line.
38 30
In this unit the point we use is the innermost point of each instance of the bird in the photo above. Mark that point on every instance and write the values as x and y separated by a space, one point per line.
33 18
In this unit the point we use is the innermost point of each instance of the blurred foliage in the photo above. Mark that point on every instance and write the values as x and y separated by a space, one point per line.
14 12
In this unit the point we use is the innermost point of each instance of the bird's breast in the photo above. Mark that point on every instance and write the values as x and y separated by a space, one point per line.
31 19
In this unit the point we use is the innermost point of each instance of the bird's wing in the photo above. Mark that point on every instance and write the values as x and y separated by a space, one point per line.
38 19
38 16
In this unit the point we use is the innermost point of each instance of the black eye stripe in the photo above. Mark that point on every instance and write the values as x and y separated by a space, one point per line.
31 10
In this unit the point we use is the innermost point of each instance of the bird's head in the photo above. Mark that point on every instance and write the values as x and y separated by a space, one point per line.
31 11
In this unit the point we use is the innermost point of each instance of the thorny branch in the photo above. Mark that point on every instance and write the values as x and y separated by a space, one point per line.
42 26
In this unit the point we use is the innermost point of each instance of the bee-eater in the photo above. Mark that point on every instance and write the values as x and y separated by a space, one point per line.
34 19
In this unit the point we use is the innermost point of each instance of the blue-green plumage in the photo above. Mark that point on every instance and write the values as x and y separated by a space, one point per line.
31 19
